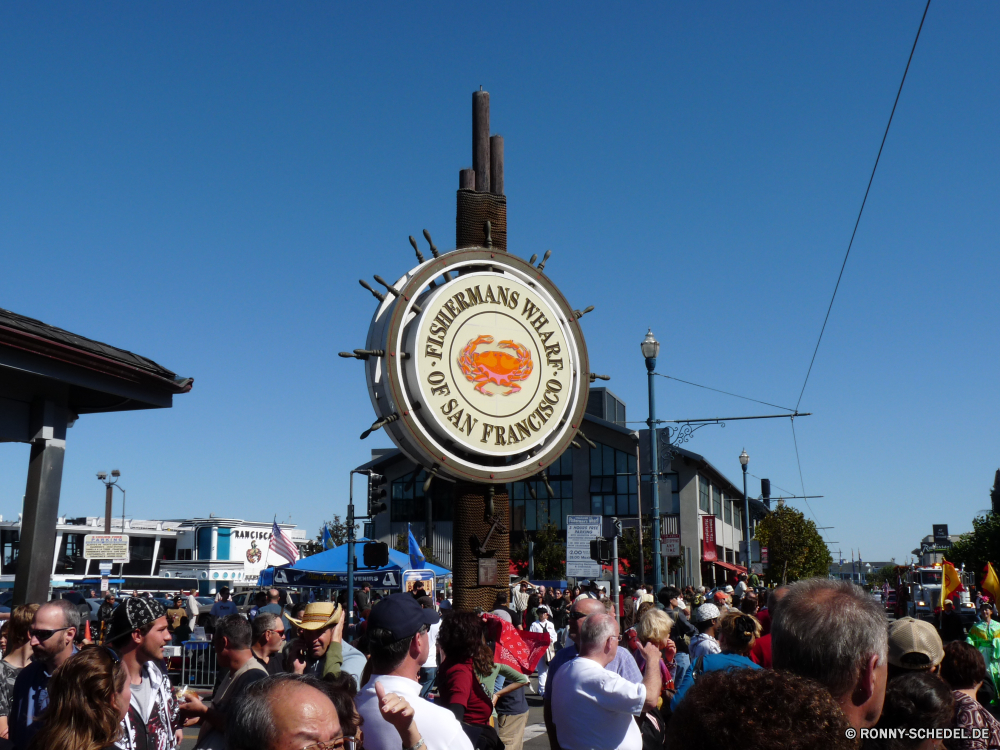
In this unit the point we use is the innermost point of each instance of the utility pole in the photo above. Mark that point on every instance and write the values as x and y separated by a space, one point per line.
616 590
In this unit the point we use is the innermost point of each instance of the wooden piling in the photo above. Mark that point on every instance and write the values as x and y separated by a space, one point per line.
481 139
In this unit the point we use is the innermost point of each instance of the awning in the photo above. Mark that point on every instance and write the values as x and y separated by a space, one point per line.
730 566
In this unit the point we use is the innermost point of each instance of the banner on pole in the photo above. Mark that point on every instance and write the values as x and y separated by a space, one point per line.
708 539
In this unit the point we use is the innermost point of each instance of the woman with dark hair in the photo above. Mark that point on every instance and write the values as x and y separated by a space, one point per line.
89 696
918 700
530 615
16 656
467 660
964 669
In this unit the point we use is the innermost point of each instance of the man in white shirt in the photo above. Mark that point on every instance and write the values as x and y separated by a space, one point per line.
397 633
192 607
592 707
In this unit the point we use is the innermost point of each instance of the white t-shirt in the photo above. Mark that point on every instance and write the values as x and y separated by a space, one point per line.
432 639
592 708
438 726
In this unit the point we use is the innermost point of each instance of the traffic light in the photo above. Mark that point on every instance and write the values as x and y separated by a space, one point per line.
765 492
376 554
376 493
600 550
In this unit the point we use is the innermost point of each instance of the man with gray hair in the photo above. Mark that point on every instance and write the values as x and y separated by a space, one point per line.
621 664
51 637
592 707
834 633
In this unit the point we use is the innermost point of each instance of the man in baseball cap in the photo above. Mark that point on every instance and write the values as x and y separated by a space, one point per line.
914 646
138 633
398 637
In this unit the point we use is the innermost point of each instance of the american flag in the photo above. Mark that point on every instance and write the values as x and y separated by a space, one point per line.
282 545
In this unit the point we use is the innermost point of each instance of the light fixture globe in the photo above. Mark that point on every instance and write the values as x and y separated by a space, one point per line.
650 346
744 458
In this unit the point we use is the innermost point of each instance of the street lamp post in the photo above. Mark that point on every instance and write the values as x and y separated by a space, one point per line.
650 349
744 460
109 496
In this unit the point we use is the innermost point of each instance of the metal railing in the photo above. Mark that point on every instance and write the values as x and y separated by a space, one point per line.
198 665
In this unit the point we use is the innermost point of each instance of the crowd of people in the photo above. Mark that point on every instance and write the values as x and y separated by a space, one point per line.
815 664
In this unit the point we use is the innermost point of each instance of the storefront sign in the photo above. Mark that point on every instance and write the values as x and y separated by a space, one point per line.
384 579
485 374
708 539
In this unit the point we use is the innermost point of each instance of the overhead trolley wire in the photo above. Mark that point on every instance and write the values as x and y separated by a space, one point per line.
861 210
727 393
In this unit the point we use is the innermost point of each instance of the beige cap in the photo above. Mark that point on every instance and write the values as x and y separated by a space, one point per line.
914 644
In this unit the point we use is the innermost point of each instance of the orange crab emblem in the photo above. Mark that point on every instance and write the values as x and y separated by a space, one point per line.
492 366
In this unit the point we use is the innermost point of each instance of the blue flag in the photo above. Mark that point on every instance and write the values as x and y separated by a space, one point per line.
327 539
417 559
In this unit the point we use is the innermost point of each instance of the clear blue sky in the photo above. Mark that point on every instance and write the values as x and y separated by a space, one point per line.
204 185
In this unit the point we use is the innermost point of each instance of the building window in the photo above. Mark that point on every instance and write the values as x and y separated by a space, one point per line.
704 495
10 541
408 502
140 555
222 544
738 517
529 513
729 556
671 503
185 554
70 559
716 503
168 549
613 482
205 543
727 507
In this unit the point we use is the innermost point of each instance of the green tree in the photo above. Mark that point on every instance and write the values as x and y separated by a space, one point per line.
978 547
628 551
403 545
338 531
886 574
550 554
794 546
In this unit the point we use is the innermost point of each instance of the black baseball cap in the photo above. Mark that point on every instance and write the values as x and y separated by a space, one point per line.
401 615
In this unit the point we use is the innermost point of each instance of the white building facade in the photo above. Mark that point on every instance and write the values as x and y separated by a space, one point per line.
212 551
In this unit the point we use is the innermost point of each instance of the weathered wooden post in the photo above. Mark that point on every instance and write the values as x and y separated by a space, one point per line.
477 369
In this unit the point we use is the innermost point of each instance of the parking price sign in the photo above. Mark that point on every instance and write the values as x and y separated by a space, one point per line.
580 531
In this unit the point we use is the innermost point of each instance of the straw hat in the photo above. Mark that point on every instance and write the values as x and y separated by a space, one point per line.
318 615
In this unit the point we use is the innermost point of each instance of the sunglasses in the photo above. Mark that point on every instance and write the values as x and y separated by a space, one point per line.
44 635
347 743
577 615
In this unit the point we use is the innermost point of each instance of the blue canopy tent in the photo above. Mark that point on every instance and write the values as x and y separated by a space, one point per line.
328 569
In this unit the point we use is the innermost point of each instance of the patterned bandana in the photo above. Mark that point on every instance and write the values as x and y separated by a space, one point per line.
134 613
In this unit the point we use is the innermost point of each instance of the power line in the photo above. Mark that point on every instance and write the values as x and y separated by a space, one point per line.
801 480
865 200
727 393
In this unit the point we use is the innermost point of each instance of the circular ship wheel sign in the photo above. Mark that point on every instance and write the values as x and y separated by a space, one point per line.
485 376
